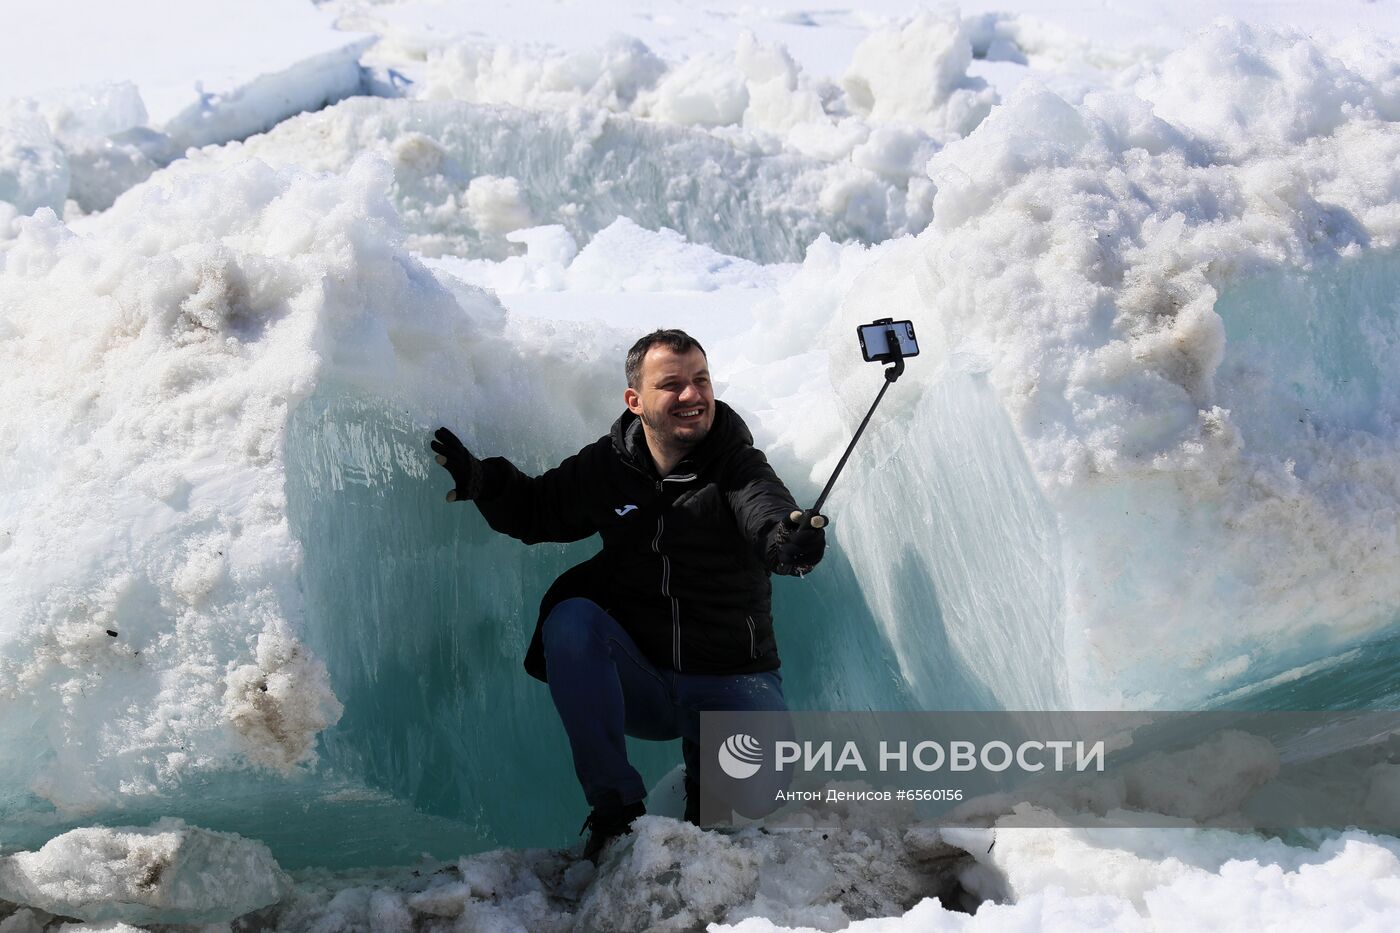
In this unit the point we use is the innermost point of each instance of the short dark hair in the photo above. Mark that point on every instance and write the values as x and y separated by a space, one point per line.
677 341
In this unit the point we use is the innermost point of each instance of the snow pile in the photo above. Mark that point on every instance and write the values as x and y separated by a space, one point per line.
1244 92
153 356
83 133
1150 451
622 257
84 144
918 75
466 175
1049 48
842 875
200 380
207 73
607 77
905 93
244 109
103 134
497 205
1086 879
912 73
167 873
1187 879
33 169
667 875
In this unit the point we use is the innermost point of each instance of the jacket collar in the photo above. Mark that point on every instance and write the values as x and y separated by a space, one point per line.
728 432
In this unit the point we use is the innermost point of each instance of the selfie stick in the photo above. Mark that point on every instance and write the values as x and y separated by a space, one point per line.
896 357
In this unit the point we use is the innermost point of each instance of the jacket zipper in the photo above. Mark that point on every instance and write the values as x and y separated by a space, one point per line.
666 591
753 642
666 565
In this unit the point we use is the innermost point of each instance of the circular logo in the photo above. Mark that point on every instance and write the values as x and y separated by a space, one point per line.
740 756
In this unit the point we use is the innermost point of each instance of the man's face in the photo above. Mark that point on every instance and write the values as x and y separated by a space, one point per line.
674 399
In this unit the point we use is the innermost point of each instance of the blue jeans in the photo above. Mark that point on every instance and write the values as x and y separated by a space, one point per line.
604 689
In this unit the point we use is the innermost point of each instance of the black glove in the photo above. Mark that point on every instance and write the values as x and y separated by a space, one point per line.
801 540
466 470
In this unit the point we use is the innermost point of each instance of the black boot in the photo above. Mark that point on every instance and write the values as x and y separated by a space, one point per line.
606 823
690 753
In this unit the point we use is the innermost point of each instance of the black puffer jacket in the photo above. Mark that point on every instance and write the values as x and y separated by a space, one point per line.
686 557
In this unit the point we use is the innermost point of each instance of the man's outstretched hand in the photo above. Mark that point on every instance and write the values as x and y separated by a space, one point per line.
466 470
802 542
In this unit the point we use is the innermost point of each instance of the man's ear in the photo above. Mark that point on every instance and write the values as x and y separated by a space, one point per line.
633 401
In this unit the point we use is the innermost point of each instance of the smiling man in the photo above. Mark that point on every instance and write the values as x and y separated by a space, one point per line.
672 616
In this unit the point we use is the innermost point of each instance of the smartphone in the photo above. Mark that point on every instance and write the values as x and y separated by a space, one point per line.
875 341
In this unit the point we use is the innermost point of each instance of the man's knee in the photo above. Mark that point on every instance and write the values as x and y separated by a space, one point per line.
766 693
571 626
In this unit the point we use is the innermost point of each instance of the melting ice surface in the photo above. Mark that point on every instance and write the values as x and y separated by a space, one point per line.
1148 458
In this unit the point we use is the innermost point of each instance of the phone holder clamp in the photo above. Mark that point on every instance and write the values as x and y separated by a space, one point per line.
895 356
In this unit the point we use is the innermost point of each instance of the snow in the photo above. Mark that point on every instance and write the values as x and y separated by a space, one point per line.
33 170
672 876
1149 456
168 872
189 61
668 875
583 169
1063 33
141 82
1085 264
